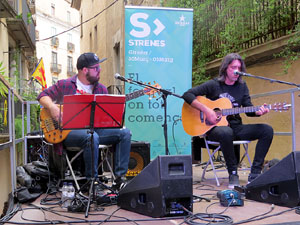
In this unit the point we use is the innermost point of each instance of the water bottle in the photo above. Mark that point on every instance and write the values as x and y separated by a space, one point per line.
71 193
64 195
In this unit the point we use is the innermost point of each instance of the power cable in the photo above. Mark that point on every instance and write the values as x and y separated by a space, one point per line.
72 28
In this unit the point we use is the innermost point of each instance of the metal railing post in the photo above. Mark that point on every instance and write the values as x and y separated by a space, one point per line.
12 138
293 122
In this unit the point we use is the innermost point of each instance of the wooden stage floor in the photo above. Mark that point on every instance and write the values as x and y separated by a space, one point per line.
54 214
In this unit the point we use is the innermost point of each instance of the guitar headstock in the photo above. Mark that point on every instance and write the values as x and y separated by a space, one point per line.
280 107
151 91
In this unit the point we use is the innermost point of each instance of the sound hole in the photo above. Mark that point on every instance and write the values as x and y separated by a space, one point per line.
133 203
284 197
264 195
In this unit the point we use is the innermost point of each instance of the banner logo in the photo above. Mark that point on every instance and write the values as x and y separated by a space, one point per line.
145 28
182 21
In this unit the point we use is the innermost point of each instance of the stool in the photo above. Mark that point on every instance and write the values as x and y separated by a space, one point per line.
106 157
211 155
69 162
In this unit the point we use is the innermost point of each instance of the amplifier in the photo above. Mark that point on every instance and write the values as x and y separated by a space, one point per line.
139 158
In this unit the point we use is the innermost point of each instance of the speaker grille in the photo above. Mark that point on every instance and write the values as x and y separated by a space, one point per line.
139 158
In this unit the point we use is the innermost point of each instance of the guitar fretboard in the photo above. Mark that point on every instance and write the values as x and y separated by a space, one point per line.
134 95
232 111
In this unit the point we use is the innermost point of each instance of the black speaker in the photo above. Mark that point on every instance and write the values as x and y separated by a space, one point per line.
139 158
161 188
280 185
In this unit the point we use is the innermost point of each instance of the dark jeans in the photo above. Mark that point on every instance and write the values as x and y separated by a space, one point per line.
226 135
120 137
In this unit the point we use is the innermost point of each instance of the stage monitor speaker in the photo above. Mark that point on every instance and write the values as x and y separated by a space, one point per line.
139 158
280 185
161 188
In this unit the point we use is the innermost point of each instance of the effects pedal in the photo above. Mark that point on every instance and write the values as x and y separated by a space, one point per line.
107 199
230 198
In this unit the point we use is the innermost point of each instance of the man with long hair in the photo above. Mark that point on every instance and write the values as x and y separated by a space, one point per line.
231 86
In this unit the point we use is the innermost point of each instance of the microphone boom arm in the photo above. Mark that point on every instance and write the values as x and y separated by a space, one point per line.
164 91
265 78
165 94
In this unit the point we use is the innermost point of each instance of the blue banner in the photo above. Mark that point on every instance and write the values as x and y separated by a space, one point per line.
158 49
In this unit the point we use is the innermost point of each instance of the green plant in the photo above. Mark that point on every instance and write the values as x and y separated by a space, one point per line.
34 117
18 126
3 88
291 51
19 16
29 18
221 27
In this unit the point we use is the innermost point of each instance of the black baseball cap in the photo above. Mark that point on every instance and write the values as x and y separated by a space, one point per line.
88 59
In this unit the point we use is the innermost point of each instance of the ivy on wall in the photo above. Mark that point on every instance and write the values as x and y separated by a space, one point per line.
221 27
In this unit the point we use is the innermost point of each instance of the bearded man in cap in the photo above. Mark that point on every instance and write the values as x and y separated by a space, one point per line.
87 82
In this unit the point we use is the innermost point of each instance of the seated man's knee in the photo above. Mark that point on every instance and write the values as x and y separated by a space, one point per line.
268 131
95 139
126 133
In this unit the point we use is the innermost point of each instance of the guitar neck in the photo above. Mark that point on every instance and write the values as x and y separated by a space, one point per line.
232 111
134 95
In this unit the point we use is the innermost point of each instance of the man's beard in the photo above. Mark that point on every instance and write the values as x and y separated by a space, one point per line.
91 79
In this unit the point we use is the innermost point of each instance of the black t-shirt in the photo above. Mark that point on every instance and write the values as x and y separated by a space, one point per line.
238 94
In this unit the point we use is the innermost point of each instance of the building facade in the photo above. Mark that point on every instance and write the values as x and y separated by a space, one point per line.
17 53
58 38
102 32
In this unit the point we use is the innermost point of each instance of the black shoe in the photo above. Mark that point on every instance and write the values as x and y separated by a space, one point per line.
119 183
78 205
252 176
233 180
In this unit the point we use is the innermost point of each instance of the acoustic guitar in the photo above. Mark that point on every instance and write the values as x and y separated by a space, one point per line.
195 123
52 132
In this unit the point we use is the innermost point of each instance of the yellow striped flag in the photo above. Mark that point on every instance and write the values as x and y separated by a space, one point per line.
39 74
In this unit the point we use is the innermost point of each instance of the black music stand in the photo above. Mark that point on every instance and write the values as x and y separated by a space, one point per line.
90 112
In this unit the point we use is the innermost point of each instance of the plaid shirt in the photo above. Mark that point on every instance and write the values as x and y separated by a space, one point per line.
66 87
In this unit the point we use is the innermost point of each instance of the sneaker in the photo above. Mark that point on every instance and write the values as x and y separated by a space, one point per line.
252 176
119 183
233 180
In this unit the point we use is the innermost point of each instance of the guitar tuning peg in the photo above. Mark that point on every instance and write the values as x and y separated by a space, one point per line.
149 83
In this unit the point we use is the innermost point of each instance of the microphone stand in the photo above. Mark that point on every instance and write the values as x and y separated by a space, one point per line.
269 79
292 96
165 94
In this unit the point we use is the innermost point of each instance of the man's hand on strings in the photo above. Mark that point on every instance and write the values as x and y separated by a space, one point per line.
212 116
55 112
262 110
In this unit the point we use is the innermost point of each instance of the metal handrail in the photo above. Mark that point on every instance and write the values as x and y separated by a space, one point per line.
11 144
290 91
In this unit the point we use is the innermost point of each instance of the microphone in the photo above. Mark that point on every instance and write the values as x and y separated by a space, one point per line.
236 72
119 77
243 74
